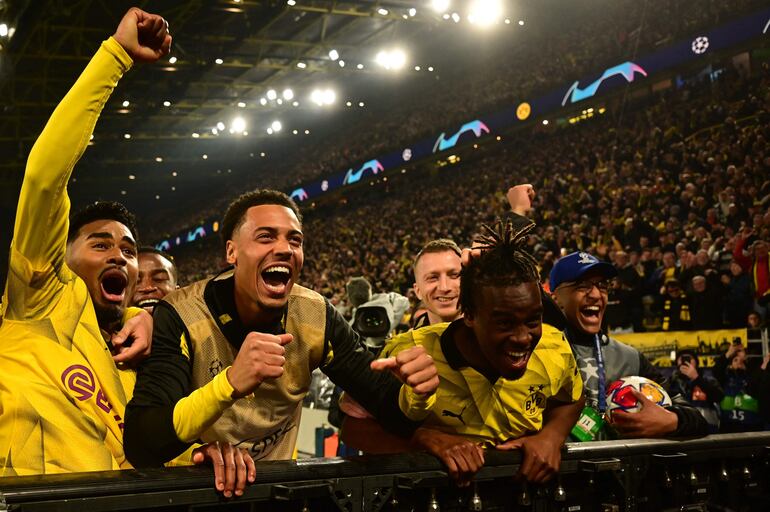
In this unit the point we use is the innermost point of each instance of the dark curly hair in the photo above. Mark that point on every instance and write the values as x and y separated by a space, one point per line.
504 261
102 210
236 212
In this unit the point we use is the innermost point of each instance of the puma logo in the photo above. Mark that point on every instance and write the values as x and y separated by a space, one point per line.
455 415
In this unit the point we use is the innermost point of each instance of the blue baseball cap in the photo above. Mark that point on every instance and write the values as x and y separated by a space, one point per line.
575 265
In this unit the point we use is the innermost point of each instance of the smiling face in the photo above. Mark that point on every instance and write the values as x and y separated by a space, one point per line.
437 284
103 255
584 302
157 278
266 250
507 325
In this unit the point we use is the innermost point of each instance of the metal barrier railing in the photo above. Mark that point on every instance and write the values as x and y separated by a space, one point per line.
720 472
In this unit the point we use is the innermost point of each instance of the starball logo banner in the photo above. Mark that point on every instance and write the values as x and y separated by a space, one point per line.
627 70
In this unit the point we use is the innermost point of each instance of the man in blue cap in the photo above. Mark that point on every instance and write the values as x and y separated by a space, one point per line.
579 283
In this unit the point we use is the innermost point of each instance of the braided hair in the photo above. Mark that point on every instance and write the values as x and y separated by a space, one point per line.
504 261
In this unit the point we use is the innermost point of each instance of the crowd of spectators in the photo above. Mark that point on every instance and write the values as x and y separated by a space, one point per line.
592 35
674 195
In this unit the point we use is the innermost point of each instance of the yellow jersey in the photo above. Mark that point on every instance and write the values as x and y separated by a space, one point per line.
470 405
62 399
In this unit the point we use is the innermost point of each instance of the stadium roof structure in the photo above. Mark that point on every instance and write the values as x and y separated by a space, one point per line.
227 55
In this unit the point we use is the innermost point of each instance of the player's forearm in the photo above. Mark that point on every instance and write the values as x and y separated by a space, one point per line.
368 436
560 417
195 413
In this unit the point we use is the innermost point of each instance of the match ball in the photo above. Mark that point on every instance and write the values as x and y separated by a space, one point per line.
620 396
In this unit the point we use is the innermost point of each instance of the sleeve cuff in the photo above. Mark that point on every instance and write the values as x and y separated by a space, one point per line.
415 407
195 413
115 49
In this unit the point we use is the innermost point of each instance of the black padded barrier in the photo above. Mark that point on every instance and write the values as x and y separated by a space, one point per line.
721 472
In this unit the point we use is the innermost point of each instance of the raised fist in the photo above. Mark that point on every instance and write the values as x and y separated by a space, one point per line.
144 36
520 198
261 357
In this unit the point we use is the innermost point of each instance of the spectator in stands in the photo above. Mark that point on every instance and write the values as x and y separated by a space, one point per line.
754 321
706 302
675 307
157 278
221 344
703 392
579 283
437 281
738 301
499 350
744 386
756 265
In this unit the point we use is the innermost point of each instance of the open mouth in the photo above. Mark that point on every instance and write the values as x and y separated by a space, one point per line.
276 279
591 313
518 359
113 284
446 300
147 303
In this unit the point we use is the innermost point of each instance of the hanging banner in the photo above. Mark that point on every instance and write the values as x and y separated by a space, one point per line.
659 347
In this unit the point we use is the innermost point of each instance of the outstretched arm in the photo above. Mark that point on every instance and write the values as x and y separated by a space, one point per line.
37 269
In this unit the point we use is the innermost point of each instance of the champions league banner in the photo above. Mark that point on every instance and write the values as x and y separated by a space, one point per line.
568 95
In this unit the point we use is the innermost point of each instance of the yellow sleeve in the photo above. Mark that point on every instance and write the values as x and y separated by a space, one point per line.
37 272
195 413
414 406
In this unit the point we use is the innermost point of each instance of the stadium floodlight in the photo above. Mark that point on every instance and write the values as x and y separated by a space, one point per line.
271 94
276 126
412 12
126 103
214 131
195 135
4 31
323 97
455 17
166 103
301 65
219 61
382 11
288 94
440 6
391 59
263 101
172 60
485 12
241 104
269 131
238 125
220 126
334 54
341 63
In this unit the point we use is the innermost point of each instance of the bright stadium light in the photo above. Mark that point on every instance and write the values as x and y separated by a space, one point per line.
3 30
334 54
288 94
220 126
271 94
391 59
412 12
382 11
126 103
341 63
263 101
323 97
172 60
440 6
329 96
485 12
238 125
276 126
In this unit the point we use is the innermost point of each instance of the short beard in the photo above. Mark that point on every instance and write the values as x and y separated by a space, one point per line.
109 317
